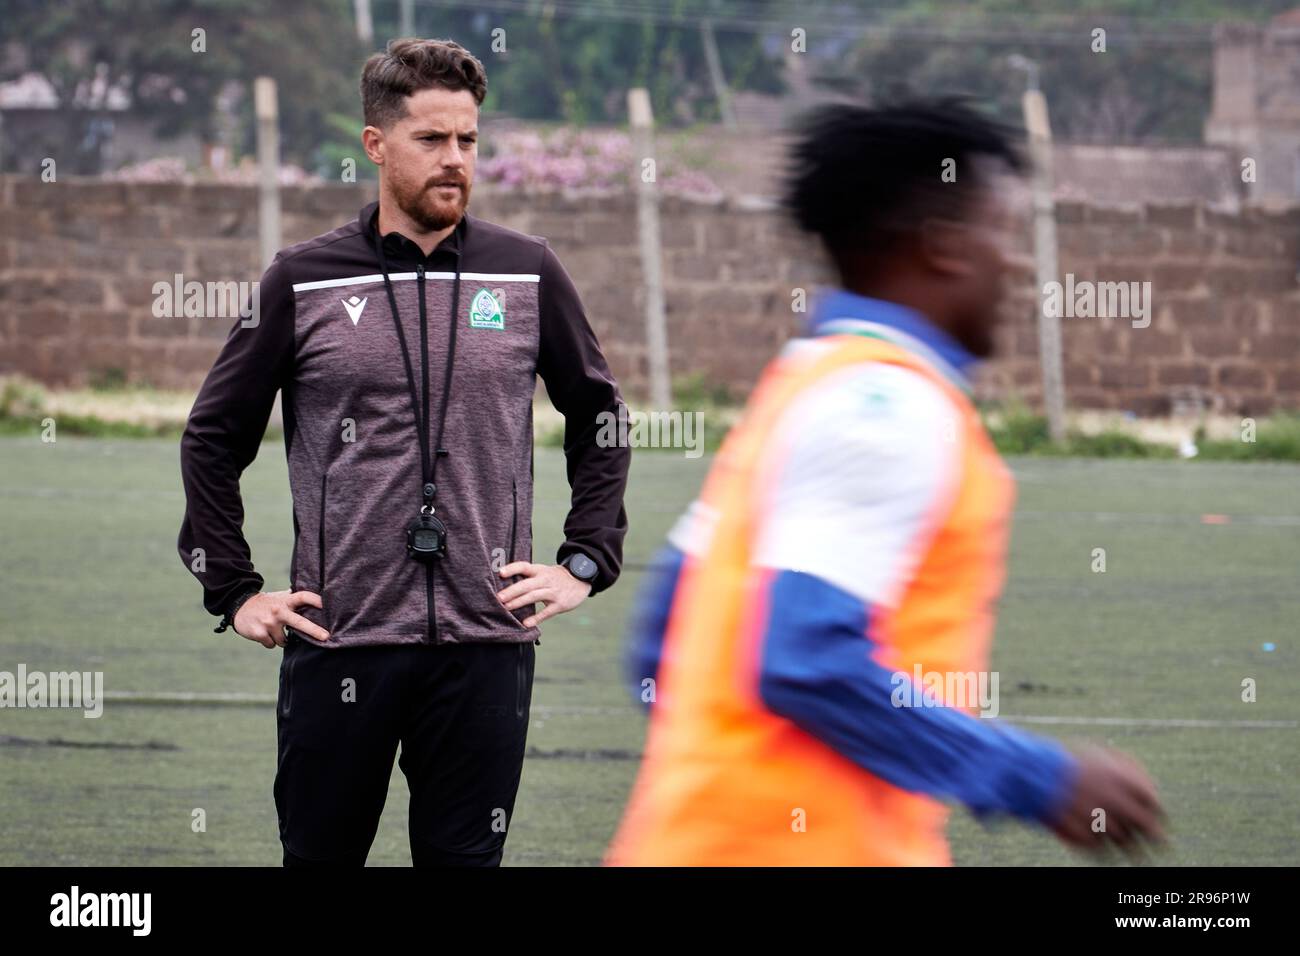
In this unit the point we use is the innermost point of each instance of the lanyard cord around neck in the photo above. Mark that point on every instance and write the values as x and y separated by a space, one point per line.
428 464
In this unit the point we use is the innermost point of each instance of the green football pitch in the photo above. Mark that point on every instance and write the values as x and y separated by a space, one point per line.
1198 596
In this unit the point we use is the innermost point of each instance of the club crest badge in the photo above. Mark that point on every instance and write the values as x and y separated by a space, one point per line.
485 311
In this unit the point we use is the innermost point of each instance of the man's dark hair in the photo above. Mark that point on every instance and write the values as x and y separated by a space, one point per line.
861 174
410 65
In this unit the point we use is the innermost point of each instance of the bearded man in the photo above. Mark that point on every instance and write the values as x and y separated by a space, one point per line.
405 346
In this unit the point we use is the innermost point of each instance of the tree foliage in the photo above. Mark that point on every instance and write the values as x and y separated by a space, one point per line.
147 49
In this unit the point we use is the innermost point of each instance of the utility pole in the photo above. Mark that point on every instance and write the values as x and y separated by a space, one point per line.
716 76
407 8
365 25
268 163
641 117
1039 127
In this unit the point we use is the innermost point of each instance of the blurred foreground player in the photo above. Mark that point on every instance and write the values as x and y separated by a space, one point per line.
852 529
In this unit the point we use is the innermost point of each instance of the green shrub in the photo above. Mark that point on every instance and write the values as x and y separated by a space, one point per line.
696 392
1276 439
1018 431
1113 444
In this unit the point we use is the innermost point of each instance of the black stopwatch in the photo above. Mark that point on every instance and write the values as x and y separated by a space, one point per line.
426 538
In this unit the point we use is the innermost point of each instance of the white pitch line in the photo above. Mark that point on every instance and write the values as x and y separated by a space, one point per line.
1139 517
570 710
1105 517
185 697
1102 517
1154 722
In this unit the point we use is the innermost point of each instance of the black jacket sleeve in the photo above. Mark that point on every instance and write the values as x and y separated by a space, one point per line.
222 436
583 390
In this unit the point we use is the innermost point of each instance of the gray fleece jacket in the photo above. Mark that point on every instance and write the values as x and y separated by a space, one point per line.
326 339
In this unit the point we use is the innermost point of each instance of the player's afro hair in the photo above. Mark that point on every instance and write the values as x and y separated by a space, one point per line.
859 175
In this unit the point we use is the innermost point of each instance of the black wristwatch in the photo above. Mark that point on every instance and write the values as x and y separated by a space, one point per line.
581 567
229 620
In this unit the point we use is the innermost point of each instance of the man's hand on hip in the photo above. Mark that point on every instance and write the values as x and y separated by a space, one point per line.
263 617
551 584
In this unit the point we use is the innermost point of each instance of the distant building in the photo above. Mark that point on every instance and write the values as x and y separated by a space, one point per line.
99 135
1256 110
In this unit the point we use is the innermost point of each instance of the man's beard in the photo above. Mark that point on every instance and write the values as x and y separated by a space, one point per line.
429 211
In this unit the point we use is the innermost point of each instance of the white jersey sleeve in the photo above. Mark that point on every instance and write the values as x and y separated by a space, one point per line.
855 473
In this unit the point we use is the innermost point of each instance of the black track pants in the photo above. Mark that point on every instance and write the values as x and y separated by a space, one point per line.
460 715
